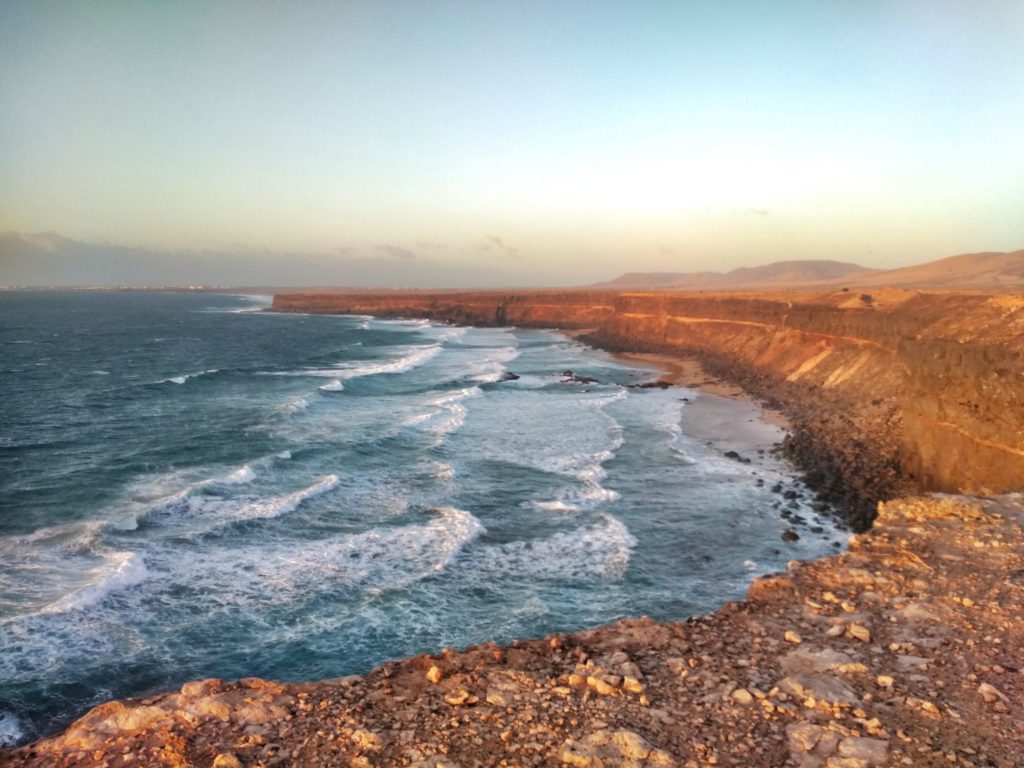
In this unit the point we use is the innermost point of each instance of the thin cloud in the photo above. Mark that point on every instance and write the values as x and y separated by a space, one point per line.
397 252
495 243
49 259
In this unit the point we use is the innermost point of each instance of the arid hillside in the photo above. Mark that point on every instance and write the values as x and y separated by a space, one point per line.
884 389
779 274
971 271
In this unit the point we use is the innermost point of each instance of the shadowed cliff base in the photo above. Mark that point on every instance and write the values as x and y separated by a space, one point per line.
887 392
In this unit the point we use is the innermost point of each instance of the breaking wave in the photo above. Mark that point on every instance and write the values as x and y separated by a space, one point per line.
120 571
186 376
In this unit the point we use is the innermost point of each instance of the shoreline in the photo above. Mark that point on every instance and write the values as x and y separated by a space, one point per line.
761 681
903 650
686 371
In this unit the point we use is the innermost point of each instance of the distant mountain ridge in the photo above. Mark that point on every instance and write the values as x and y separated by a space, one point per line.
978 271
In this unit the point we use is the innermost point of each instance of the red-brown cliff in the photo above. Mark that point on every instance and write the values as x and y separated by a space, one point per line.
884 388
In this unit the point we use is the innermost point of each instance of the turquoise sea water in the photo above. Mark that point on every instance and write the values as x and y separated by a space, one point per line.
192 487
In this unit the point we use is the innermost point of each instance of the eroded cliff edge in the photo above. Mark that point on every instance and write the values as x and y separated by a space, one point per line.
888 392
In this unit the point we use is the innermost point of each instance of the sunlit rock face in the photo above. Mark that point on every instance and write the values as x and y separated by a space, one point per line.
930 382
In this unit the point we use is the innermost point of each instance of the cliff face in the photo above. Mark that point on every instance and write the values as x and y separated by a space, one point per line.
931 382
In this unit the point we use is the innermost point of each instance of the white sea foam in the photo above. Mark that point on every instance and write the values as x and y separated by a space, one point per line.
70 537
169 501
592 475
397 556
555 506
442 470
423 549
11 731
100 373
276 506
492 367
448 413
450 333
344 371
334 386
667 414
240 476
284 455
127 523
418 418
601 550
120 571
186 376
385 557
364 323
379 322
189 505
589 470
298 404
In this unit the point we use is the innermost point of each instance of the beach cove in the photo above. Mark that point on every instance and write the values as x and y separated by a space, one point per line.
872 657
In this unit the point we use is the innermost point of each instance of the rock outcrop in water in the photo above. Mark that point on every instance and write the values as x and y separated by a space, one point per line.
903 651
887 392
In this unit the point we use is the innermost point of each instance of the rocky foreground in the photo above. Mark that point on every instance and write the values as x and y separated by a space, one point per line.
906 650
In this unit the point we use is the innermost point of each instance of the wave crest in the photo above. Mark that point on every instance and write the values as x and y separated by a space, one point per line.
120 571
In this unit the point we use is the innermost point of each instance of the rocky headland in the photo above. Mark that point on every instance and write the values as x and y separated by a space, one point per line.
905 650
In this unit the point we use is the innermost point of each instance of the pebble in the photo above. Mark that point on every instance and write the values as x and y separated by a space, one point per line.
743 696
859 632
990 693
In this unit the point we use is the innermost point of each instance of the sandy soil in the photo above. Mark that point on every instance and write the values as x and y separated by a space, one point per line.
688 372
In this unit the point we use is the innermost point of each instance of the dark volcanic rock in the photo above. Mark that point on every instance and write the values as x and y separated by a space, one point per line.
570 377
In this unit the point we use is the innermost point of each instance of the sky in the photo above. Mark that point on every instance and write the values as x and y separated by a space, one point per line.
502 143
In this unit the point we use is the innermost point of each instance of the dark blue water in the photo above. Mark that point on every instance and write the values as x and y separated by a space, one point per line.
190 487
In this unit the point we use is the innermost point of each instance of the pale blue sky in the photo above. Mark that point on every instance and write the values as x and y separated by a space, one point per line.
541 141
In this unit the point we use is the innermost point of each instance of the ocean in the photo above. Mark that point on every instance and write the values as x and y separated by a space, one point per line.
191 486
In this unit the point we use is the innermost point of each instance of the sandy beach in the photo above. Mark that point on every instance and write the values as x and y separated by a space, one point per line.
721 414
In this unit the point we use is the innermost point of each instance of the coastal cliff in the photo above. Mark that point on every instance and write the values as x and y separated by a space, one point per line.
902 651
887 392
